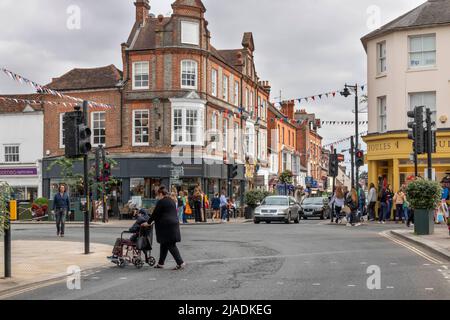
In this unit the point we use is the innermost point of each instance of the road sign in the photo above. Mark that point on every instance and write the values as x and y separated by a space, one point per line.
340 157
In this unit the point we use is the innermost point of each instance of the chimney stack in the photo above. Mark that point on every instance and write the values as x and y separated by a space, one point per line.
142 11
288 109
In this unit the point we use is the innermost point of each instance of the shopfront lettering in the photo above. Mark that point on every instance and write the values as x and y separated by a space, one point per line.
444 144
380 147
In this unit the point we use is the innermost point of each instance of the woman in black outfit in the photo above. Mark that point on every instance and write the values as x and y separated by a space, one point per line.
167 229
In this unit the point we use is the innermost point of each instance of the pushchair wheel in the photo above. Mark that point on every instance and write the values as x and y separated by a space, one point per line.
138 263
121 263
151 261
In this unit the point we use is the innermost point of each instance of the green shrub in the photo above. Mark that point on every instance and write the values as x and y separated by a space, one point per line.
253 197
424 194
41 202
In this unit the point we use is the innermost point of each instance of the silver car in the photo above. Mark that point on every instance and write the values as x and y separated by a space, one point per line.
278 208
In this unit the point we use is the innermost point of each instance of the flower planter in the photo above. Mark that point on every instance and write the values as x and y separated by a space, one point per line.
423 222
249 212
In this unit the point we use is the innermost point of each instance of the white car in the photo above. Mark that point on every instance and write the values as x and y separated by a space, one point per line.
278 208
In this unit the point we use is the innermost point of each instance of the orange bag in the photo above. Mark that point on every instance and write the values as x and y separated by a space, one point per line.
188 209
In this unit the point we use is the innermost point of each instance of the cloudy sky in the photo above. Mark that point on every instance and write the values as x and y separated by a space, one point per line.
303 47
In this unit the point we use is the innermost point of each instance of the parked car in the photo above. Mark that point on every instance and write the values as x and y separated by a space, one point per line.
278 208
315 207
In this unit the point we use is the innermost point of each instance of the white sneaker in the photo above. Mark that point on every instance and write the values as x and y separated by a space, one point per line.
358 224
382 222
349 224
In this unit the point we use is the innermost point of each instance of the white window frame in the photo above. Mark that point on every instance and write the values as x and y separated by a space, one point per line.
5 154
236 93
422 51
225 131
184 106
214 82
422 94
247 99
382 114
187 27
250 139
146 67
93 121
225 87
381 57
141 144
61 131
215 128
236 138
182 71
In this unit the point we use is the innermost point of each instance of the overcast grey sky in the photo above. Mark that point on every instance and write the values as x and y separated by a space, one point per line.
303 47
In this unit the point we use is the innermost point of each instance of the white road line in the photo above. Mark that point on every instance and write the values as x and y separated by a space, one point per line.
124 278
429 289
351 285
393 264
389 287
316 284
426 264
152 279
95 278
213 280
363 263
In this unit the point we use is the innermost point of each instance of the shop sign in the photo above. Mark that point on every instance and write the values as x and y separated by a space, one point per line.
18 172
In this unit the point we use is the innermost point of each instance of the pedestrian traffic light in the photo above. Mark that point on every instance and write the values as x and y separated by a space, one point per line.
233 171
359 158
106 172
84 139
417 132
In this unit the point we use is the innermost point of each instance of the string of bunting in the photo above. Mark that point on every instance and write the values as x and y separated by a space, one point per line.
35 102
318 97
42 89
343 123
343 140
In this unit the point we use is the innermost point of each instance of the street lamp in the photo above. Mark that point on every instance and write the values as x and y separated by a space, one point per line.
346 93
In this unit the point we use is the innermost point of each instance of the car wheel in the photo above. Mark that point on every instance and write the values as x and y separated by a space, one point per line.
305 218
288 220
257 222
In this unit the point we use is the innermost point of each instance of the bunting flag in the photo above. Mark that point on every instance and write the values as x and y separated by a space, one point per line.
42 89
343 140
344 123
35 102
319 96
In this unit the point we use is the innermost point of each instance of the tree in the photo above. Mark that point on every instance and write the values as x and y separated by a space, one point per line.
286 177
5 196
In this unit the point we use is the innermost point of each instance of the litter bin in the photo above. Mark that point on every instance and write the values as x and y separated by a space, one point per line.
423 222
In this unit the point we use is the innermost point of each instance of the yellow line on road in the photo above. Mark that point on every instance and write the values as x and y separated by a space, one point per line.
410 247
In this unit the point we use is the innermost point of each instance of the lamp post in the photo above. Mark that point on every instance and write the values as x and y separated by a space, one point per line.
346 93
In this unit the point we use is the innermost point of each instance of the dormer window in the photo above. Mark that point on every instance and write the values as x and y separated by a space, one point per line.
190 32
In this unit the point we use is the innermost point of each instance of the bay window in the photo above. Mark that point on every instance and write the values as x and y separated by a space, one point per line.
187 125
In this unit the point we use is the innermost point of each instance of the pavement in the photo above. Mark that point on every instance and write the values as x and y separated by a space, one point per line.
309 261
438 243
35 262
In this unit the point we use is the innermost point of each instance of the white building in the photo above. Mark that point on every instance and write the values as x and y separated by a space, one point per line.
21 147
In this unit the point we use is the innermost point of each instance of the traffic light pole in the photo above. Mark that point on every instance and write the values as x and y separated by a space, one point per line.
334 183
356 134
105 211
352 155
86 186
429 138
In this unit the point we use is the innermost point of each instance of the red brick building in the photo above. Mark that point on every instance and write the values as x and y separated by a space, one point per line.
183 109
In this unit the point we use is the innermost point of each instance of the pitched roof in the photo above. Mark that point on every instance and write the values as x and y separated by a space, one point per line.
190 3
431 13
8 106
82 79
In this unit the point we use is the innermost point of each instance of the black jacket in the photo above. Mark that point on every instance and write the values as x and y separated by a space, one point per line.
351 204
137 225
166 221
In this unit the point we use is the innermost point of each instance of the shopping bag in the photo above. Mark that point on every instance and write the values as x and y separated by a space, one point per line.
188 210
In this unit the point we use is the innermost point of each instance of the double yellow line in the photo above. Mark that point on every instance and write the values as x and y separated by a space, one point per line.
410 247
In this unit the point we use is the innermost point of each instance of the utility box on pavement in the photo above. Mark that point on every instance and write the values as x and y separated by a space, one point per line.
423 222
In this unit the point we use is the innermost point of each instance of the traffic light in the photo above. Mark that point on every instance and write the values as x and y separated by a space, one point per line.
77 136
433 141
417 132
334 166
84 139
359 158
232 171
106 174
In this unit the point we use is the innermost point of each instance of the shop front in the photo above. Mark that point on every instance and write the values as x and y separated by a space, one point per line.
24 181
389 158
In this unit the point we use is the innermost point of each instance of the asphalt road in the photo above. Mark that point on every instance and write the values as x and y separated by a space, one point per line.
310 261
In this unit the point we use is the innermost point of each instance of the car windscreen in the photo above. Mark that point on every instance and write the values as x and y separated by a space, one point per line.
314 201
275 201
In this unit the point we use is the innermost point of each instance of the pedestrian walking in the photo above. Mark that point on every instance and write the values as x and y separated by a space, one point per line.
180 207
352 203
167 229
372 200
61 206
390 201
399 200
338 200
361 204
197 199
384 205
215 204
223 207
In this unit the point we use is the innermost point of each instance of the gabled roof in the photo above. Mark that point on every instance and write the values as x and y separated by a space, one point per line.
84 79
9 106
190 3
431 13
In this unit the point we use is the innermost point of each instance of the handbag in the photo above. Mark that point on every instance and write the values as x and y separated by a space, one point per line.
188 210
346 209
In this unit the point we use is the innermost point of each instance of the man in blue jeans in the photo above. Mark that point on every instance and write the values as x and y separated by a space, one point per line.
223 207
61 205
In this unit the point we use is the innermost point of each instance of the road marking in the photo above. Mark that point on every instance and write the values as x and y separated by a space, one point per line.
426 264
389 287
363 263
152 279
410 247
213 280
95 278
316 284
123 278
429 289
351 285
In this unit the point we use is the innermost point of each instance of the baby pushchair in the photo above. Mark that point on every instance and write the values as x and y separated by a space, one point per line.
129 251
